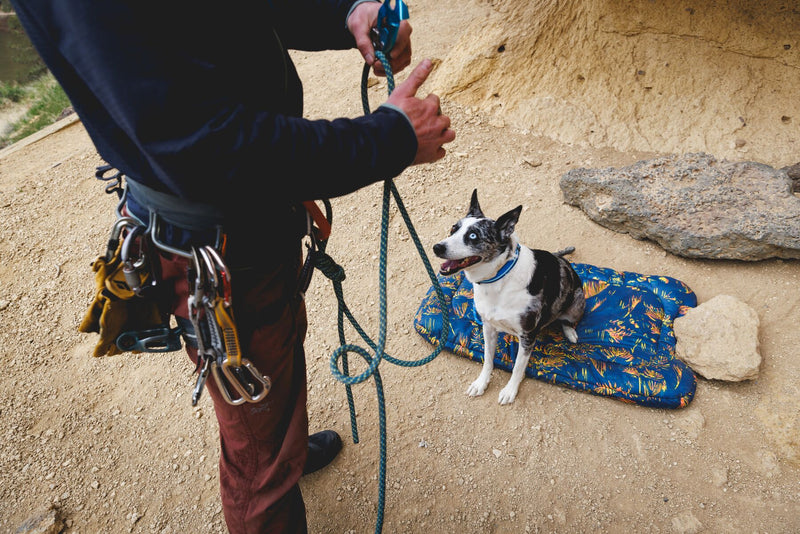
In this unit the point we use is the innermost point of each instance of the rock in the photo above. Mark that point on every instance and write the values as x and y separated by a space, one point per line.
719 339
719 477
692 422
793 172
694 206
66 112
47 521
686 523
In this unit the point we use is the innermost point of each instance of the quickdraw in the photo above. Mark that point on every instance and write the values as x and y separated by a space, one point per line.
218 350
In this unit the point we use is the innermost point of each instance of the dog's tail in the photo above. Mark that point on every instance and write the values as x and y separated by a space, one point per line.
562 253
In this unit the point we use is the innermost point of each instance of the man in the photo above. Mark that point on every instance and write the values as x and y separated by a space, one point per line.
200 104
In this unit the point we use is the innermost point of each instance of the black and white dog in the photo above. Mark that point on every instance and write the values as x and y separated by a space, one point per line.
517 290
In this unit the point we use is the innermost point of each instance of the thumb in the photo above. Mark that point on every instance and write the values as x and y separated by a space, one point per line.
415 80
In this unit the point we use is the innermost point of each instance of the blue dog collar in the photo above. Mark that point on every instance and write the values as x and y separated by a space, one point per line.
504 269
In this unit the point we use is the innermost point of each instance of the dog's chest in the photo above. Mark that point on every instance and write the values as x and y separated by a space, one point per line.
503 309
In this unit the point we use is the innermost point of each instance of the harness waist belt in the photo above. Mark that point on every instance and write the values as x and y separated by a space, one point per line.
180 212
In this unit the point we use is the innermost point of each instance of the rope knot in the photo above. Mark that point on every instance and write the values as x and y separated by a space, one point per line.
329 268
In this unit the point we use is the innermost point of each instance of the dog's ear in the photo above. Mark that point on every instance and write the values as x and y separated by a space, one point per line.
506 223
474 207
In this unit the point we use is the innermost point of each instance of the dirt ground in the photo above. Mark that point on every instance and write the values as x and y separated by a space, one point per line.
115 445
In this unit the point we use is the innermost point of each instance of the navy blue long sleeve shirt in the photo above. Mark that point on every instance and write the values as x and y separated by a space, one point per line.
202 100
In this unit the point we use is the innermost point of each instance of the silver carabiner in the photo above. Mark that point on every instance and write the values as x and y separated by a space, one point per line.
225 386
113 240
131 269
247 380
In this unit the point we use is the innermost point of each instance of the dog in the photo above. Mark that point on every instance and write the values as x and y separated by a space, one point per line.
516 289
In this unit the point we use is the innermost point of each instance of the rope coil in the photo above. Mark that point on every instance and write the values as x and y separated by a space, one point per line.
336 274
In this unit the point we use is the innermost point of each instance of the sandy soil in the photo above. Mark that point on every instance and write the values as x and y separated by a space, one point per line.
115 445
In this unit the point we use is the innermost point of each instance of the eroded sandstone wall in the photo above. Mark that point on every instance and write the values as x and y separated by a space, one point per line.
666 76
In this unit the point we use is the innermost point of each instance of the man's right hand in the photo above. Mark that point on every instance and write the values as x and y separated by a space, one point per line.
432 128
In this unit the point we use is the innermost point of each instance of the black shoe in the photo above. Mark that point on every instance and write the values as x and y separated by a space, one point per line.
322 449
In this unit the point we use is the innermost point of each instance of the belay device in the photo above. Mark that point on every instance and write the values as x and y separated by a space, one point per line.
384 35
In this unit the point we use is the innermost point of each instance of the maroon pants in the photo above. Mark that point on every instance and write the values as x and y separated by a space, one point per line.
263 445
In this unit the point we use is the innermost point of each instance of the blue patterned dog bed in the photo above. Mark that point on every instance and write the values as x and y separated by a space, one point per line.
625 348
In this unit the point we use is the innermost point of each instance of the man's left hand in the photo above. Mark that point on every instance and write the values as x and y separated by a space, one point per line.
361 21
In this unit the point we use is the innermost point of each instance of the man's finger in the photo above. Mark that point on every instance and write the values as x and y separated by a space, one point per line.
415 80
364 45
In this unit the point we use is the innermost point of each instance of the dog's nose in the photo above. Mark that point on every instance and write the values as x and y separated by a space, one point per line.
439 249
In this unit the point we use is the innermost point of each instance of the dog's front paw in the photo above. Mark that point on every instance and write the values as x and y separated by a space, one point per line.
508 394
570 333
477 388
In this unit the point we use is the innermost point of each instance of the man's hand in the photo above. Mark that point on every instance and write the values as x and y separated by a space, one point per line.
432 128
365 17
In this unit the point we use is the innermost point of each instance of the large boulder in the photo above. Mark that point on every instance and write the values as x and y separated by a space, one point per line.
694 206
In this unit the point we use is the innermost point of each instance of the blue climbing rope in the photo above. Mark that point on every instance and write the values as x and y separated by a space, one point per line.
336 274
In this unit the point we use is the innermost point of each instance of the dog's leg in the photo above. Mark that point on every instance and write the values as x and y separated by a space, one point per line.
509 392
573 315
570 332
489 346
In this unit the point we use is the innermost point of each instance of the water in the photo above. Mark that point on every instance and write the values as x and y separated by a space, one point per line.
19 61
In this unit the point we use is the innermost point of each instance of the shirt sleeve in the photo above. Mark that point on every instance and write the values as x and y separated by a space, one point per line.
207 104
314 24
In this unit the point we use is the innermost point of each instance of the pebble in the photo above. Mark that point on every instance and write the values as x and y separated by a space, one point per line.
42 522
533 162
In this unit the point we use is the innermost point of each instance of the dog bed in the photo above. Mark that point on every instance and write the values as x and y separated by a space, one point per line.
625 348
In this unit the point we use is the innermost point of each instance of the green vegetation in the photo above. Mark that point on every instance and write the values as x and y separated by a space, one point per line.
10 93
25 85
45 100
19 61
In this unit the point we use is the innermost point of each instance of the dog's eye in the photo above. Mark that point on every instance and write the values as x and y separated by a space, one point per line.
453 229
473 236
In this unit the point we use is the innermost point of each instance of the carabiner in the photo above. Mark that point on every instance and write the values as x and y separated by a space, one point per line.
135 275
116 232
222 275
224 385
247 380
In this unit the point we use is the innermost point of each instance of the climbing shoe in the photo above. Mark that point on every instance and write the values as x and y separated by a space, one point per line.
322 449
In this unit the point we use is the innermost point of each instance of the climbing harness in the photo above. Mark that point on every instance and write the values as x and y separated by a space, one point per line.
134 278
390 15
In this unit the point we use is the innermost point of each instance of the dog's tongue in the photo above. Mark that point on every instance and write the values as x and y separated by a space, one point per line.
453 266
449 266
